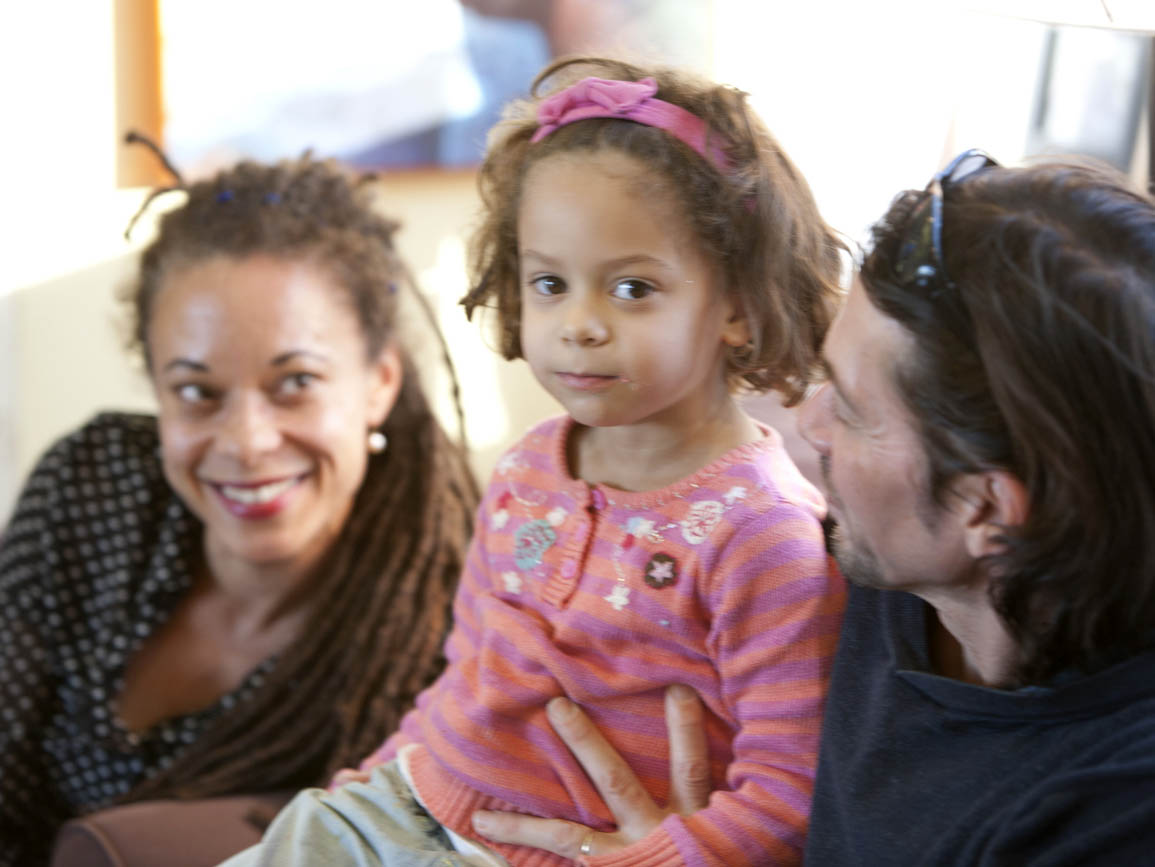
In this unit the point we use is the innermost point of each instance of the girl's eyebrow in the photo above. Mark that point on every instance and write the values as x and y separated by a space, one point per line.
620 262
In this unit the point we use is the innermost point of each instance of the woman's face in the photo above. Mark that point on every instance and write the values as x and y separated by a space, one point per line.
266 398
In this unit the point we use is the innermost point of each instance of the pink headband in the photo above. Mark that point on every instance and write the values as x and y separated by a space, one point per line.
625 100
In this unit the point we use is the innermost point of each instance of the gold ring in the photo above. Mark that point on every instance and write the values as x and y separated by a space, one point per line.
587 844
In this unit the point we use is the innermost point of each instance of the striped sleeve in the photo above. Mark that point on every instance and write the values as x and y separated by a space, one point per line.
462 640
775 606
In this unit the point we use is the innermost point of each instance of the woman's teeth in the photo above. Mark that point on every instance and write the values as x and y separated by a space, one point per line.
259 494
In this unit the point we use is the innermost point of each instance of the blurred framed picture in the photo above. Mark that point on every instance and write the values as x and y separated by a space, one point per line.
384 84
1093 87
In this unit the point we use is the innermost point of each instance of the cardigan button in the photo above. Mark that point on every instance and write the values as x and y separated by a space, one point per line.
599 499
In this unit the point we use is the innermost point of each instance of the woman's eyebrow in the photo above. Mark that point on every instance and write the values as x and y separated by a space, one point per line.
198 366
286 357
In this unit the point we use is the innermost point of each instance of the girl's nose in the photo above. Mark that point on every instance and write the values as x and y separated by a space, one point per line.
584 323
814 419
248 429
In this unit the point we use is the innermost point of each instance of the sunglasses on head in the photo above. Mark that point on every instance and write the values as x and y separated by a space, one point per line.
920 260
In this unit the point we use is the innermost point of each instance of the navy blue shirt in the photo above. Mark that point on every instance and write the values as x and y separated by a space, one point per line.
916 768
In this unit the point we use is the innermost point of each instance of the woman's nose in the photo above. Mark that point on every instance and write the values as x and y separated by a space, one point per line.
248 429
814 419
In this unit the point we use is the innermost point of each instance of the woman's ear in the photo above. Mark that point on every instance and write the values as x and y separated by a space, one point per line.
994 501
384 384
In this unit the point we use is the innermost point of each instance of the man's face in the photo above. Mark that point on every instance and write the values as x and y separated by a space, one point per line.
890 533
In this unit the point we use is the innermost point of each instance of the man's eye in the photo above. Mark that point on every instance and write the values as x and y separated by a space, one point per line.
842 414
548 285
632 290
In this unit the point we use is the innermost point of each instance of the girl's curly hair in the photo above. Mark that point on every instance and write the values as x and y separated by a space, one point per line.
757 221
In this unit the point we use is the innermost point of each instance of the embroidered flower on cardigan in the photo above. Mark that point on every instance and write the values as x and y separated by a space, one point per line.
619 597
639 527
512 582
700 523
735 494
661 571
531 541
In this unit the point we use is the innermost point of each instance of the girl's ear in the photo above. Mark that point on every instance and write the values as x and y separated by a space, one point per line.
384 384
736 328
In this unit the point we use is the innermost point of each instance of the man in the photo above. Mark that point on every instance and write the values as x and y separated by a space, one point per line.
987 438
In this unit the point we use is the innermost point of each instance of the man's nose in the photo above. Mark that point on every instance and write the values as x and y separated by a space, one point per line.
814 419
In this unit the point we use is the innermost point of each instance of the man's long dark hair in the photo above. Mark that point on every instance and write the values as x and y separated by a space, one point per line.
1040 360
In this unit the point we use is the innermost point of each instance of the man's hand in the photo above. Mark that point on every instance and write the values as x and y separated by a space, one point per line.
630 804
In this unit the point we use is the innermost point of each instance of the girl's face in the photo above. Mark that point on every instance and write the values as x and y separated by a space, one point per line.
265 398
623 320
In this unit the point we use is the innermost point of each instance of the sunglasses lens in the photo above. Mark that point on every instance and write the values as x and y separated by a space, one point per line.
916 255
966 163
920 260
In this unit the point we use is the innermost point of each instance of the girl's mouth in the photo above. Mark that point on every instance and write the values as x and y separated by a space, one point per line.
587 381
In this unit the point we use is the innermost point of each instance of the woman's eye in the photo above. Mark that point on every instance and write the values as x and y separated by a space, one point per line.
193 393
296 383
632 290
548 285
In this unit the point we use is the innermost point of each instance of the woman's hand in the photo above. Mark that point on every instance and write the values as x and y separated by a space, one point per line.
632 807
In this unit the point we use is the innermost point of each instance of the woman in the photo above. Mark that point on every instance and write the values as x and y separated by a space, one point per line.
246 593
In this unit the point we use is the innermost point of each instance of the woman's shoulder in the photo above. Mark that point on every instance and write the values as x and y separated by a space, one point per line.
107 440
96 487
133 430
112 460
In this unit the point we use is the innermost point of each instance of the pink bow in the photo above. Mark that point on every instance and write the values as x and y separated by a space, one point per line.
592 97
627 100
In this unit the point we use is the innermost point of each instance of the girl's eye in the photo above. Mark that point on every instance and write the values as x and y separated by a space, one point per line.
548 285
296 383
193 393
632 290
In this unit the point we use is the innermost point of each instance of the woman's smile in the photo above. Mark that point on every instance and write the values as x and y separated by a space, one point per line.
258 500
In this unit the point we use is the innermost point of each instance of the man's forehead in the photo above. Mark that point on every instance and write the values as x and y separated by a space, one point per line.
864 346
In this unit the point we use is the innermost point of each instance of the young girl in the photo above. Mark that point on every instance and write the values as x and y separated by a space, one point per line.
649 249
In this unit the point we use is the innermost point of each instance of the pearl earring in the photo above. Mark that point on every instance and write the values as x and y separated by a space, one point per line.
377 442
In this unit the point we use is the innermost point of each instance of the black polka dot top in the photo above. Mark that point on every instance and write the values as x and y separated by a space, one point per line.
95 558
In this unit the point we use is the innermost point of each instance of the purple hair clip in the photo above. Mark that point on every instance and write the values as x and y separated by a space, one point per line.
626 100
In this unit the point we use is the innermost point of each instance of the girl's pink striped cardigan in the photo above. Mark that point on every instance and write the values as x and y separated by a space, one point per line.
720 581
